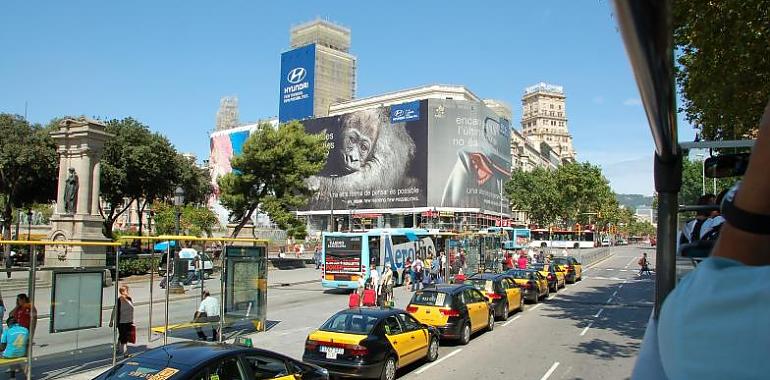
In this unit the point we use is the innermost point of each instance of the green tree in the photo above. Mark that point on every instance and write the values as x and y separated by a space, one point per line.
536 193
585 194
28 166
196 221
271 174
195 181
137 166
722 65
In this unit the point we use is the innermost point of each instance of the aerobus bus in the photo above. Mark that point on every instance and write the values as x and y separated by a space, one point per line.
542 238
349 256
513 238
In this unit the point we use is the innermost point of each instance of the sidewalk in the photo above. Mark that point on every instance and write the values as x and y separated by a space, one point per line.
60 360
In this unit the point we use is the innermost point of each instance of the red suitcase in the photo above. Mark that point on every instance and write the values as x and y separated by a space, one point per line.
370 297
354 300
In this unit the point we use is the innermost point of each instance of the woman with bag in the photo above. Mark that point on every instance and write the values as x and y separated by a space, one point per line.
124 312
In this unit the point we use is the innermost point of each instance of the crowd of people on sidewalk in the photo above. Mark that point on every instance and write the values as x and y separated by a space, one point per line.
14 340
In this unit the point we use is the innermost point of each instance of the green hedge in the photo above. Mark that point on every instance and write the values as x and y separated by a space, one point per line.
138 266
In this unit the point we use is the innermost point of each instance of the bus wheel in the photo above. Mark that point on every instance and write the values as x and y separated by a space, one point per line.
543 245
576 246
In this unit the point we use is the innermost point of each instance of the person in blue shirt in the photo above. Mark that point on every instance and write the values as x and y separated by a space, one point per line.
714 324
13 343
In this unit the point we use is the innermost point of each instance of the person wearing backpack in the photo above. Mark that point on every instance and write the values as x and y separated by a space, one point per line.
417 267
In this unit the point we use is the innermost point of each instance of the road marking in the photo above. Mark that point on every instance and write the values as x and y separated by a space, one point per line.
534 307
606 278
599 313
615 294
609 269
511 321
609 300
585 330
550 371
429 366
621 286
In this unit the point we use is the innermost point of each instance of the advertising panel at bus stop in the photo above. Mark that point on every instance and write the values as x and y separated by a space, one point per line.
469 155
377 159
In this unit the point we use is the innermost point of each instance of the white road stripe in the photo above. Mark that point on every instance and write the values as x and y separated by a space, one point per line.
609 300
585 330
429 366
615 294
511 321
550 371
599 313
534 307
621 286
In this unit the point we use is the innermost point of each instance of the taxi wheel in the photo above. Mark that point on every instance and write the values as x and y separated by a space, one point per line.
465 334
491 324
547 292
505 312
521 303
389 369
433 350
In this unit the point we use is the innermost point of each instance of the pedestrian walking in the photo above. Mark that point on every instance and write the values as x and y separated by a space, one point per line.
417 267
408 275
386 286
644 265
123 315
523 261
317 257
13 343
208 312
374 276
508 261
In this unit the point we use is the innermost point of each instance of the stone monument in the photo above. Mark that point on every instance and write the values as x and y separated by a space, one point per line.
76 218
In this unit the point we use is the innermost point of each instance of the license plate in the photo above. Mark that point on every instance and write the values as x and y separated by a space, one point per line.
332 352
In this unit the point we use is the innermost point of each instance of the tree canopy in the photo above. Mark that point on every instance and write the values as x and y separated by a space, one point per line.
723 64
137 166
28 165
572 193
270 175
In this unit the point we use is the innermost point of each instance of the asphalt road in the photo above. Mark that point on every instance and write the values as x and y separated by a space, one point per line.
591 330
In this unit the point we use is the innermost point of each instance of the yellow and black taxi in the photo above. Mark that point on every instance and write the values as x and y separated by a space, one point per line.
555 277
456 310
573 270
205 361
370 343
500 290
534 284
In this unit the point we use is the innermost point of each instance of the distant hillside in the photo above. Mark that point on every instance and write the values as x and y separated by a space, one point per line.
632 201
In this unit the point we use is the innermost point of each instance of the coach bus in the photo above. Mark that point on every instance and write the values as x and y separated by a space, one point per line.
542 238
349 256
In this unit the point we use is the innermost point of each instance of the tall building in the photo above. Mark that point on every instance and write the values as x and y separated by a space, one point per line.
544 119
318 71
227 115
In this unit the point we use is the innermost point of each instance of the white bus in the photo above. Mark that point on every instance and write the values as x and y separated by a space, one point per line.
542 238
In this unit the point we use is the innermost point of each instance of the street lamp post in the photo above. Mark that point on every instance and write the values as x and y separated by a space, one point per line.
331 196
29 233
703 172
173 283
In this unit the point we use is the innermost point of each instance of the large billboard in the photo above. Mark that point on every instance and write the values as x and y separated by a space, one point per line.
374 163
297 84
469 155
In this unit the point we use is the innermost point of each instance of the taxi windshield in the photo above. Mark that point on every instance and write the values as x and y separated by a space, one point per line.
430 298
539 267
521 274
481 284
351 323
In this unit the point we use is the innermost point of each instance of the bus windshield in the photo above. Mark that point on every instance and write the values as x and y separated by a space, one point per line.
342 255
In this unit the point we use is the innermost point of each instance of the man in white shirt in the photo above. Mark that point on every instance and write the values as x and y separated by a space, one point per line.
208 312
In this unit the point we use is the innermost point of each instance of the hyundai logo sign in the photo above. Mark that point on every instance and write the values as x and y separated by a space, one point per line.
399 113
296 75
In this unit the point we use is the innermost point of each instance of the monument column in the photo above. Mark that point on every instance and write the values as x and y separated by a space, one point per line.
80 143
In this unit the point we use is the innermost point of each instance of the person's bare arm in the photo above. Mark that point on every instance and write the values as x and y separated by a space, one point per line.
753 196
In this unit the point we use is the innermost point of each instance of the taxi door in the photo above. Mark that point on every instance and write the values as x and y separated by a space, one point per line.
419 338
477 308
542 282
400 340
512 292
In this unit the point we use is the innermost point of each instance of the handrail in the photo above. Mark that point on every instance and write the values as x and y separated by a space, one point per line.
193 238
717 144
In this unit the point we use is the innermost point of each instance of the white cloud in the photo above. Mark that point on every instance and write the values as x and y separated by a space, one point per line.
598 99
632 102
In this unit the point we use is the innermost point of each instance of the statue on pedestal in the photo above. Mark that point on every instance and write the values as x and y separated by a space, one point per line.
71 192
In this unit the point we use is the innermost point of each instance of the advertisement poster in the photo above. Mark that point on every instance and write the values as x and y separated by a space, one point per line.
373 162
297 84
342 254
469 155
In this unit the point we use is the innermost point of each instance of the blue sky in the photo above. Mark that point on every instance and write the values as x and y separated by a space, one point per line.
168 63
